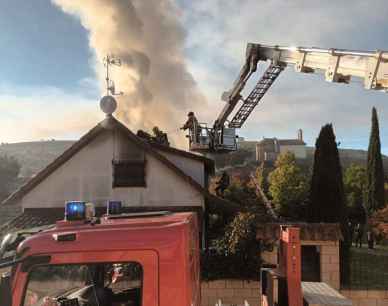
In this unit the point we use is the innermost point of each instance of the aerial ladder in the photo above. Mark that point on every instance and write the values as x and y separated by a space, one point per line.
337 65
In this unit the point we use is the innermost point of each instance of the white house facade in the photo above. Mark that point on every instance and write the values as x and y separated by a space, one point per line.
112 163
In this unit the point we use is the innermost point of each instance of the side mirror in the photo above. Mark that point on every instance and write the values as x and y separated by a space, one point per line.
7 241
5 290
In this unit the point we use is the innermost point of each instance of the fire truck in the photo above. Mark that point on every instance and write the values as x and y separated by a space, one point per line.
138 259
135 259
337 65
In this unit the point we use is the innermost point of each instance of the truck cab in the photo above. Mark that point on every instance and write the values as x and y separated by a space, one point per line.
143 259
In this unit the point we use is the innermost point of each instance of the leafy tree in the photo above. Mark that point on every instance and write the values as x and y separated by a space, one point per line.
288 186
374 195
327 199
242 193
233 250
9 171
235 253
378 224
354 182
355 179
262 174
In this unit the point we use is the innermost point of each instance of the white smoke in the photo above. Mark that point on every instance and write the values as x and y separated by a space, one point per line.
148 38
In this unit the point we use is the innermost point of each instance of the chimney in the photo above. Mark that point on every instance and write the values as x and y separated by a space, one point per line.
300 135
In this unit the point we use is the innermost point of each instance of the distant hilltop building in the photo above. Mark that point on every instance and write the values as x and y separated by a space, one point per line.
268 149
240 139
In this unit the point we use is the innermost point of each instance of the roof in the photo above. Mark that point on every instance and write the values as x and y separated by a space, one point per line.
291 142
209 163
266 141
108 124
308 231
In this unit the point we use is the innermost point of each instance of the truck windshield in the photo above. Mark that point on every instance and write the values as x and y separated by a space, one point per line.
91 284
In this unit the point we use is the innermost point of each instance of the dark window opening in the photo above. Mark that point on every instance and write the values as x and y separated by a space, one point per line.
311 270
129 173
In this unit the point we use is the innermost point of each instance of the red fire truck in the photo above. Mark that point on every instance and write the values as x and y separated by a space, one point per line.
143 259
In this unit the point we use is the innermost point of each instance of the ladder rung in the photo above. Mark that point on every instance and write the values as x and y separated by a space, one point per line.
255 96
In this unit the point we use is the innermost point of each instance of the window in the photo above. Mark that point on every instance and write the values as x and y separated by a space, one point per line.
90 284
129 173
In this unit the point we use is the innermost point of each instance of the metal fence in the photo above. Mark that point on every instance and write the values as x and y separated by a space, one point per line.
368 269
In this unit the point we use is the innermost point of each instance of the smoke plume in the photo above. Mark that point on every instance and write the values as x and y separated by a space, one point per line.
148 38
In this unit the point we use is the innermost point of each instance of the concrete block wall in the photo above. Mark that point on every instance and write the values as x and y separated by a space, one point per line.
367 297
236 291
230 292
330 265
329 260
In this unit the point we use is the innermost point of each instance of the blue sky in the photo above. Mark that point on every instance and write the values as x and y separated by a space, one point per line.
42 46
48 86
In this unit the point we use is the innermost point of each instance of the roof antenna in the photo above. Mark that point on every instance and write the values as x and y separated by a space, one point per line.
108 103
110 60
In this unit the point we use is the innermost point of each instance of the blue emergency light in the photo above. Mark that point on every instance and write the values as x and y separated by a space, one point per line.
75 211
114 207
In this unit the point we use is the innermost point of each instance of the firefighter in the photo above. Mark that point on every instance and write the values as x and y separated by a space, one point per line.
359 234
160 137
222 184
371 239
193 126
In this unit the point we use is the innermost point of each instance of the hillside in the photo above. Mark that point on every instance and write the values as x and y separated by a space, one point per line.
247 154
33 156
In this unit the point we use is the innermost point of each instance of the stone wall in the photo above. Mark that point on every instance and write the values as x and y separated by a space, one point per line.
367 297
230 292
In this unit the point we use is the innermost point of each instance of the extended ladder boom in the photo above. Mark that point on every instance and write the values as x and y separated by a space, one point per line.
336 64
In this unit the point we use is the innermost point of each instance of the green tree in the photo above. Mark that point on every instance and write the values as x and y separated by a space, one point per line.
239 191
288 186
9 171
374 193
262 174
354 182
327 198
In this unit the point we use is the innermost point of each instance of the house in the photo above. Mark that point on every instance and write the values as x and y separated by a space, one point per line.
268 149
112 163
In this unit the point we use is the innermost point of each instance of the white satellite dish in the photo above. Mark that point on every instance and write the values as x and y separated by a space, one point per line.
108 104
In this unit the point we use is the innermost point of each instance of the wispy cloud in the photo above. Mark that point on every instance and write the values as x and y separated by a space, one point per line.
36 113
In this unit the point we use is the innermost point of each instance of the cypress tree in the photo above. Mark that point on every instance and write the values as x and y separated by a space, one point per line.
374 194
327 198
